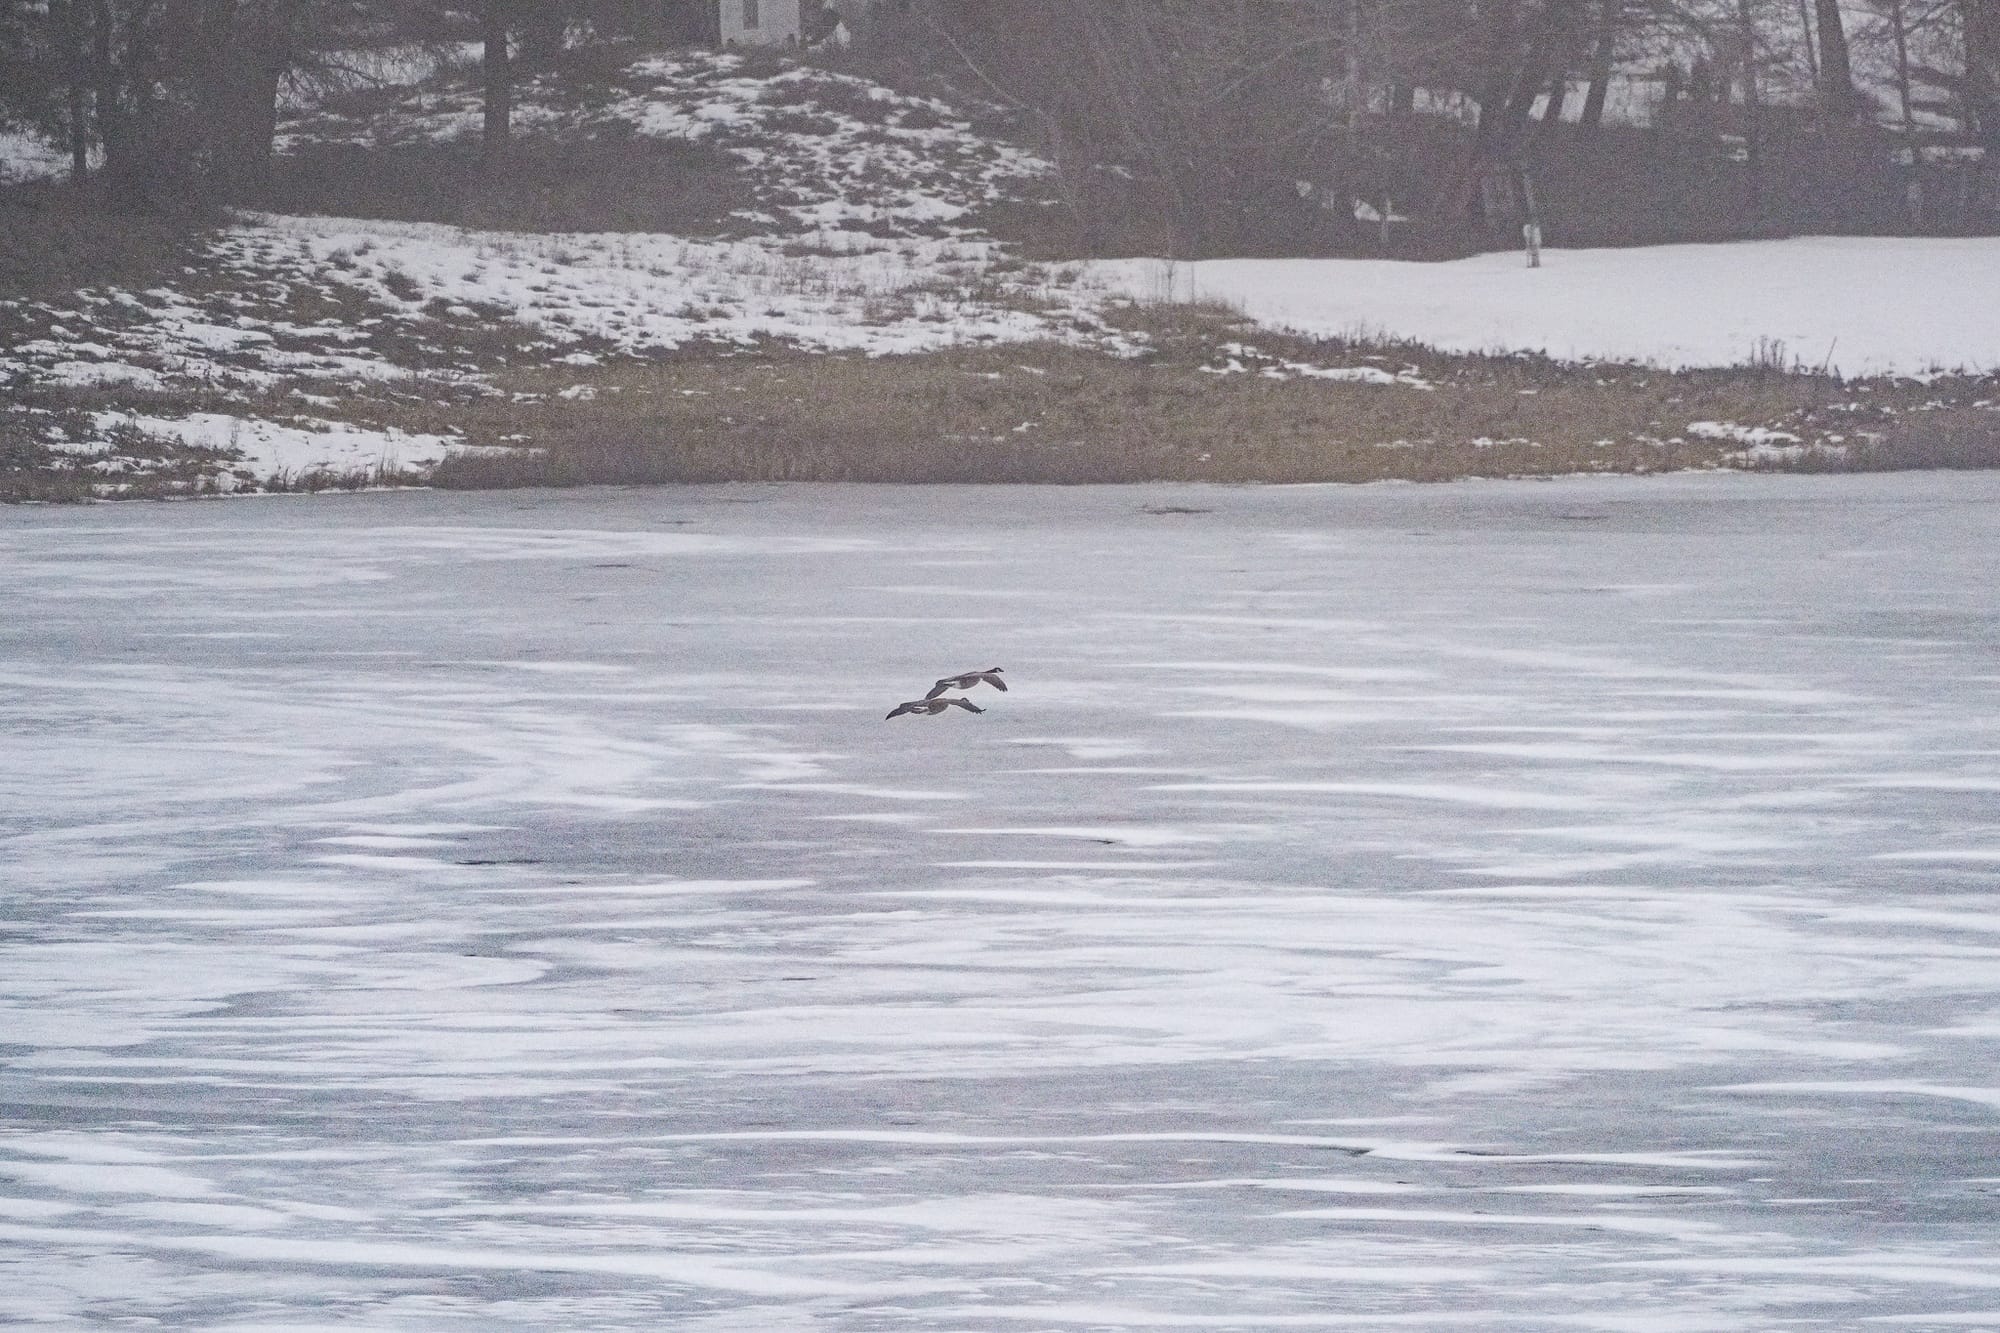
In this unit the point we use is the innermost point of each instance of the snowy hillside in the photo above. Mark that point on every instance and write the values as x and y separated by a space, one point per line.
859 237
826 153
846 217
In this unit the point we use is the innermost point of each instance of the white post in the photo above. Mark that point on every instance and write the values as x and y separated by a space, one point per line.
1531 236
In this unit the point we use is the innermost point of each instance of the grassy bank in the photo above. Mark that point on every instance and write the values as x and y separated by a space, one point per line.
273 340
1202 405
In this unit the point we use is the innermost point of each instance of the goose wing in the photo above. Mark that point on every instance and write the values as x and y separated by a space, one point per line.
966 704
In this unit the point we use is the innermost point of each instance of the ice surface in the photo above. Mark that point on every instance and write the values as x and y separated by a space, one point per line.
1370 908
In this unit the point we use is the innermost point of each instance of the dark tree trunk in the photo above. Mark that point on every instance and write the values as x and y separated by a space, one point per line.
79 132
1522 62
1496 89
71 31
1498 63
1753 110
113 121
1899 30
250 124
1836 74
1981 23
242 97
1552 113
1601 53
497 67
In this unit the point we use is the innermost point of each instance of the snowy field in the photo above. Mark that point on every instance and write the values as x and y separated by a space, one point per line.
1564 905
1854 305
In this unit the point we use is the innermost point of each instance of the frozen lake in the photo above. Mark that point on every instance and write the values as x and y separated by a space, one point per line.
1541 905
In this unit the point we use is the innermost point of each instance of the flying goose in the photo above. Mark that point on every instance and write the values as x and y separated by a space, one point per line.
932 706
966 680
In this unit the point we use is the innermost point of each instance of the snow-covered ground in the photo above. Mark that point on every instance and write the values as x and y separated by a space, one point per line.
264 450
607 292
861 229
858 235
1491 906
1905 307
415 289
1855 305
647 292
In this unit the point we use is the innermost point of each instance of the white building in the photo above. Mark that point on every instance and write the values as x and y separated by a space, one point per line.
761 23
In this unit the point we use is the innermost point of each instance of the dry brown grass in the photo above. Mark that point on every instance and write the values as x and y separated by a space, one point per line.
145 467
1051 413
53 239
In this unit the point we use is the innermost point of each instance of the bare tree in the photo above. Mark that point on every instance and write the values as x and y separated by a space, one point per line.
1603 55
181 96
1183 109
1523 46
1979 23
1834 69
496 67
